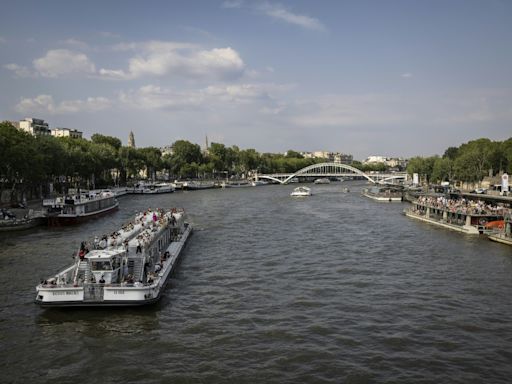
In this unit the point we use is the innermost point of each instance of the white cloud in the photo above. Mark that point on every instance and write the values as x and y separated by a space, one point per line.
232 4
280 13
19 70
75 43
406 75
160 58
152 97
349 111
153 46
62 62
108 34
46 104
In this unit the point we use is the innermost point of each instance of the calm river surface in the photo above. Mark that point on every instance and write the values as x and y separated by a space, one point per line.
333 288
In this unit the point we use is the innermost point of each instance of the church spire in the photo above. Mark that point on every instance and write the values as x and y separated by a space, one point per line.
131 140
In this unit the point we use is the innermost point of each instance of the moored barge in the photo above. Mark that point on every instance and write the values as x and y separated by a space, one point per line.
467 216
384 193
75 208
130 267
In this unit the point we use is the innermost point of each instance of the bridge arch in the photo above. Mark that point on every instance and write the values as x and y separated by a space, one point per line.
334 168
268 177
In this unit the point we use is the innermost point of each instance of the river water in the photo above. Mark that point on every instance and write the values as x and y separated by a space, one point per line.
333 288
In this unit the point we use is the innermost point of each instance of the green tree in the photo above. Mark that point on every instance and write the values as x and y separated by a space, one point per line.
102 139
442 169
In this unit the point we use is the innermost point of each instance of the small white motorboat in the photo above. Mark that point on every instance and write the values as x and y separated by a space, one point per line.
301 192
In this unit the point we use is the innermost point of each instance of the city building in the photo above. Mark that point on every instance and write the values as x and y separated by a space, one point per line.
66 132
167 150
33 126
392 162
335 157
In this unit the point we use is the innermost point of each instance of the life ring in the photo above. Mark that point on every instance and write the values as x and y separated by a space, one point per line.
500 226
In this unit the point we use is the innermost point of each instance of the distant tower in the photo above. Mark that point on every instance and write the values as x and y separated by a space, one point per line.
131 140
205 150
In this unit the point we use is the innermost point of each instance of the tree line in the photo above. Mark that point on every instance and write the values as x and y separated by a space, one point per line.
33 163
29 163
470 162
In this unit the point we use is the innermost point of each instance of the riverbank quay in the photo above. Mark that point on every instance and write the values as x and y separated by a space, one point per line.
462 215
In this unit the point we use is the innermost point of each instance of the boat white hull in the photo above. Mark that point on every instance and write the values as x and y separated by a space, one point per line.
500 238
459 228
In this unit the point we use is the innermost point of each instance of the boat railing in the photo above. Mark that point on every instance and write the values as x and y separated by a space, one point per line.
462 209
102 285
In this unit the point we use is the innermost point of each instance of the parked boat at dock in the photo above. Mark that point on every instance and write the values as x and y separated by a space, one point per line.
301 192
235 184
461 215
504 234
195 185
384 193
258 183
127 268
152 188
10 222
323 180
75 208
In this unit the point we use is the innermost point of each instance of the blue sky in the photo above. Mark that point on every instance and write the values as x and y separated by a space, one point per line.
393 78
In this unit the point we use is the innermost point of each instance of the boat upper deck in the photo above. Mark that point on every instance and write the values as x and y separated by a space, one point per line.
462 206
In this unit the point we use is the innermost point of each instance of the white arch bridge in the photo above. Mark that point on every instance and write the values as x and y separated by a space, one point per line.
333 170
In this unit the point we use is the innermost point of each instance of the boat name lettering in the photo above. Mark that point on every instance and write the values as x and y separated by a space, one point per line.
62 293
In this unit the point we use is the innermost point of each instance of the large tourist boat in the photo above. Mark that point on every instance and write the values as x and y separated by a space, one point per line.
75 208
384 193
129 267
301 192
467 216
504 233
152 188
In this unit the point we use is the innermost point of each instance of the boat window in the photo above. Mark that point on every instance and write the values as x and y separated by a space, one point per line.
101 265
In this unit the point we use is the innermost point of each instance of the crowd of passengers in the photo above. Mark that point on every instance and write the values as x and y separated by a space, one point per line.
463 205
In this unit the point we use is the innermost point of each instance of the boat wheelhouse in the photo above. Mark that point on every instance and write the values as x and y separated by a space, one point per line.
467 216
129 267
384 193
75 208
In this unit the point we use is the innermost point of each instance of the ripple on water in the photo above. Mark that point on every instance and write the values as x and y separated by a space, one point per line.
270 289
